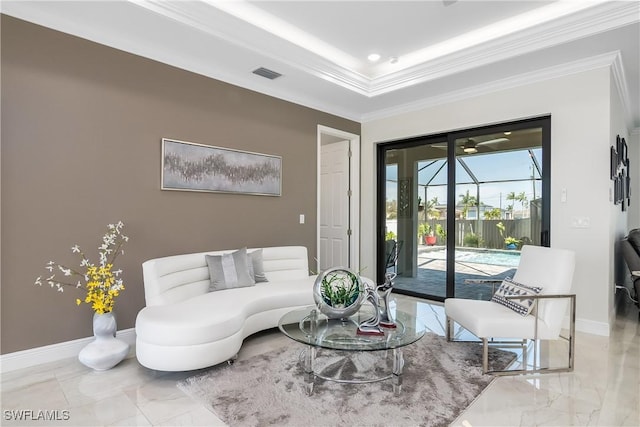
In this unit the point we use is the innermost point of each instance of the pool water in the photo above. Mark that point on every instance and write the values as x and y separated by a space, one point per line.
506 259
490 257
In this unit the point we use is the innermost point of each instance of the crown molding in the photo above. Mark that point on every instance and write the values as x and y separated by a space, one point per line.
199 16
620 81
258 41
574 67
593 20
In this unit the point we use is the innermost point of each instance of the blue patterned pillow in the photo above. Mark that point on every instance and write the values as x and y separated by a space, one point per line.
508 288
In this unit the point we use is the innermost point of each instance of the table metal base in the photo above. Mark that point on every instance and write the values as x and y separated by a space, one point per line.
308 358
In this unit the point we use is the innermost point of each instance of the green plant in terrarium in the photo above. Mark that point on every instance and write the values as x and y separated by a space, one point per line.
340 288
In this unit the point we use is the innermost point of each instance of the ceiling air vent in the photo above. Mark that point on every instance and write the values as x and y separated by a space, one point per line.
266 73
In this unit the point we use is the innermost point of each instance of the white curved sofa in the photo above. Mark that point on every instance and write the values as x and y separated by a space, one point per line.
186 327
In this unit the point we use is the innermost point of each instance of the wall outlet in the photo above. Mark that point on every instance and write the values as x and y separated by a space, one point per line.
580 222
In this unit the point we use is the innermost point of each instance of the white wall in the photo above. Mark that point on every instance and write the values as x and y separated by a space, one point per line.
579 105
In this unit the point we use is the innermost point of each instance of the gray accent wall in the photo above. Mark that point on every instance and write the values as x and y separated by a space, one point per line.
81 147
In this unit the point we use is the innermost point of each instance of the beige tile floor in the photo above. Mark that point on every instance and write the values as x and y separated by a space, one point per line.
604 389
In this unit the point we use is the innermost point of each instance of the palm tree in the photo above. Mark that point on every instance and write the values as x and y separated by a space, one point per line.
493 214
467 200
522 198
510 209
430 208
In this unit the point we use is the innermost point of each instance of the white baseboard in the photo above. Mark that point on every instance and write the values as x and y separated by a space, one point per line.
51 353
595 328
589 327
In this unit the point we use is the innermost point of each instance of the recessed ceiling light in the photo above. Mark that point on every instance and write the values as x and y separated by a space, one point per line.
507 133
374 57
393 59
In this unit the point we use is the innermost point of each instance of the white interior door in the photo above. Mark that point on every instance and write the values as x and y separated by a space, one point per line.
334 205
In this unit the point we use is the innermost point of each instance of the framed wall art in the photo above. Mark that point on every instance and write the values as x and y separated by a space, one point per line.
188 166
404 198
619 173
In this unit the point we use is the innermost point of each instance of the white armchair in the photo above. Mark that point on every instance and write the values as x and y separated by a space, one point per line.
548 268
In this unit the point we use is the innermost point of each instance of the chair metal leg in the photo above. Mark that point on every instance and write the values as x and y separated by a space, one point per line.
572 333
485 355
449 327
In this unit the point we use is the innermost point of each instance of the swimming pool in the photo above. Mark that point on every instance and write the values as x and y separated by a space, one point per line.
487 256
507 259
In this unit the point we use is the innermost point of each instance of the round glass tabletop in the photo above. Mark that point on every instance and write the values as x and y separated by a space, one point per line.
309 326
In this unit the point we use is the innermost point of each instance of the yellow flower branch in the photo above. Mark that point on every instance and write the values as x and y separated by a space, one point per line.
103 284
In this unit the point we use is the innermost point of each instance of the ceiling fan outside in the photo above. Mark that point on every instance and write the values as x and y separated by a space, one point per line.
470 145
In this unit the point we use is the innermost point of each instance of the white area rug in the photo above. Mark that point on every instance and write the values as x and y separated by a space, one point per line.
440 380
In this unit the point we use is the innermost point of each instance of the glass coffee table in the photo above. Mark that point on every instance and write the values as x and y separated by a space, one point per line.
309 326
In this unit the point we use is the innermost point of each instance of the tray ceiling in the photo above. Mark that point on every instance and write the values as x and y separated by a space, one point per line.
430 51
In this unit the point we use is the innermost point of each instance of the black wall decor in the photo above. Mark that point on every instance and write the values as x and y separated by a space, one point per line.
619 164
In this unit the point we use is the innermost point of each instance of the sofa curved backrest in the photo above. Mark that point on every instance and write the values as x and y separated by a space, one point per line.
172 279
552 269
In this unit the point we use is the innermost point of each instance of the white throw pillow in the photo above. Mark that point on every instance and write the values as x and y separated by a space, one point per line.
508 288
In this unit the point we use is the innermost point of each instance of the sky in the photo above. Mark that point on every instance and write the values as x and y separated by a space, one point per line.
486 167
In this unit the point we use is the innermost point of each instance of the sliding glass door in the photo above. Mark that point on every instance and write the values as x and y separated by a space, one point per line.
459 206
415 204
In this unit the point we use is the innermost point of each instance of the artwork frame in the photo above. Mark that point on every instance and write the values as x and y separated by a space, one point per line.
622 190
190 166
613 159
620 173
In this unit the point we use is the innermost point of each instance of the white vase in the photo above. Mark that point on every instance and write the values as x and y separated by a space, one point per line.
106 351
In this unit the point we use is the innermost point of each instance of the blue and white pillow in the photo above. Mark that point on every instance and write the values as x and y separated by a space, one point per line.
510 288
